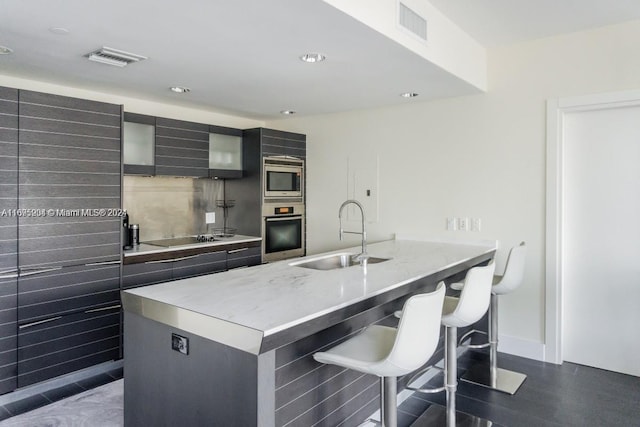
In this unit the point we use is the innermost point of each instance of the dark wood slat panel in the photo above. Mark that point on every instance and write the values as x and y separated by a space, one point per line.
27 96
48 165
58 140
67 290
341 405
68 190
171 150
245 258
8 333
49 178
68 153
223 130
82 226
279 134
69 257
134 275
182 148
9 136
181 171
165 123
308 400
139 118
7 120
69 205
139 170
68 115
68 128
202 264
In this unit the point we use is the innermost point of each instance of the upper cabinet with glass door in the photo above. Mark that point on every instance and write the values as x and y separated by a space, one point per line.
139 144
225 152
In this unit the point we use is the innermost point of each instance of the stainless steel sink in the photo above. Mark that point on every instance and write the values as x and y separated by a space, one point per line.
333 262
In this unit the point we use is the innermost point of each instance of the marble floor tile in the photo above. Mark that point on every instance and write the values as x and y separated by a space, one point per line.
99 407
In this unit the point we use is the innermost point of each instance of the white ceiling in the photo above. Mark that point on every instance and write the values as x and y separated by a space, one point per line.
502 22
241 56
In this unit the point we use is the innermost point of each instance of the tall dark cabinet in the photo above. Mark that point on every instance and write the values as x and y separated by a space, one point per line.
8 238
64 239
247 192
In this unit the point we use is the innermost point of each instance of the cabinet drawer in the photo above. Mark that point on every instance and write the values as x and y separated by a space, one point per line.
198 265
134 275
67 290
244 257
63 344
8 337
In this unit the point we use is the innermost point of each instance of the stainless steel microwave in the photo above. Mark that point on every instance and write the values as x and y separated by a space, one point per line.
283 178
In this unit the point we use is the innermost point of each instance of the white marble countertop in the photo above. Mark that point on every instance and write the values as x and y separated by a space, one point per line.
253 303
145 248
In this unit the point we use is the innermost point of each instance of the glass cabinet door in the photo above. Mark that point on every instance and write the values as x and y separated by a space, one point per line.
138 144
225 151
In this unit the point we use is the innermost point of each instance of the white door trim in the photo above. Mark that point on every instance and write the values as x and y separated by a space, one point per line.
556 109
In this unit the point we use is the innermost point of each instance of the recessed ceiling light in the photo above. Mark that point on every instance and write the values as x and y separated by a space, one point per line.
180 89
313 57
409 94
59 30
5 50
287 112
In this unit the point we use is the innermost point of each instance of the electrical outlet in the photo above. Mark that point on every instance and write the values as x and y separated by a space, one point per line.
180 343
476 224
210 217
463 224
451 224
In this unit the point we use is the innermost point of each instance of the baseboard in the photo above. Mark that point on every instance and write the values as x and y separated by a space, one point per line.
521 347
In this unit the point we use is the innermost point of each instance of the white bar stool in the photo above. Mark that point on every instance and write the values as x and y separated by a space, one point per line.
491 376
389 352
456 313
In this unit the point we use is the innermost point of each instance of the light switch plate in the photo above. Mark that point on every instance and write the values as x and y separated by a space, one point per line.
210 217
463 224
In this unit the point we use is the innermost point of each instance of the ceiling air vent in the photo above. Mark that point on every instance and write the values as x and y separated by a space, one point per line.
119 58
413 22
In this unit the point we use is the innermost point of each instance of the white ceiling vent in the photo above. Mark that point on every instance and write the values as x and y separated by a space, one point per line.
119 58
412 22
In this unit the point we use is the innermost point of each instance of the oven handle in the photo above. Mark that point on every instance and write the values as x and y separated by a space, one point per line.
282 218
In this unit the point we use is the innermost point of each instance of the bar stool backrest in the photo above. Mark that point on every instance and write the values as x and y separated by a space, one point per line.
418 331
513 272
474 298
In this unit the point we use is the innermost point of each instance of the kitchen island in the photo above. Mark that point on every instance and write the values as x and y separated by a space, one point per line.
235 348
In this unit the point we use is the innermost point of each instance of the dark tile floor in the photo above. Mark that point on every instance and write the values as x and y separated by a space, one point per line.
551 396
50 396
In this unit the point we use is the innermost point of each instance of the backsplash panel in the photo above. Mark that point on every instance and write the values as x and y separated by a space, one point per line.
166 207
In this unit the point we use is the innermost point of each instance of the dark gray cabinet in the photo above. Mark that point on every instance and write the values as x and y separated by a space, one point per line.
145 273
143 270
222 157
182 148
69 176
280 143
138 144
8 237
8 335
67 343
244 257
247 192
59 235
197 265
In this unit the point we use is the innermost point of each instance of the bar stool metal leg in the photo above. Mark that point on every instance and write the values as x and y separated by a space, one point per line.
388 398
491 376
436 415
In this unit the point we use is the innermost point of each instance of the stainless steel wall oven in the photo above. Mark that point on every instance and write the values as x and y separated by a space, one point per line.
282 231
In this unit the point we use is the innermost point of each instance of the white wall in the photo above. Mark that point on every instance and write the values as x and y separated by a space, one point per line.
477 156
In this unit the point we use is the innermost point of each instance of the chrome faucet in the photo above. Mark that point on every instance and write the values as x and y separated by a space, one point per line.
362 256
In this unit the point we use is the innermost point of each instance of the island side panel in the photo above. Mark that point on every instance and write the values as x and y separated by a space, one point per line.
211 385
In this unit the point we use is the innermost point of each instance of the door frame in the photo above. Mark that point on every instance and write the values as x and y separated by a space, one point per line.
556 110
